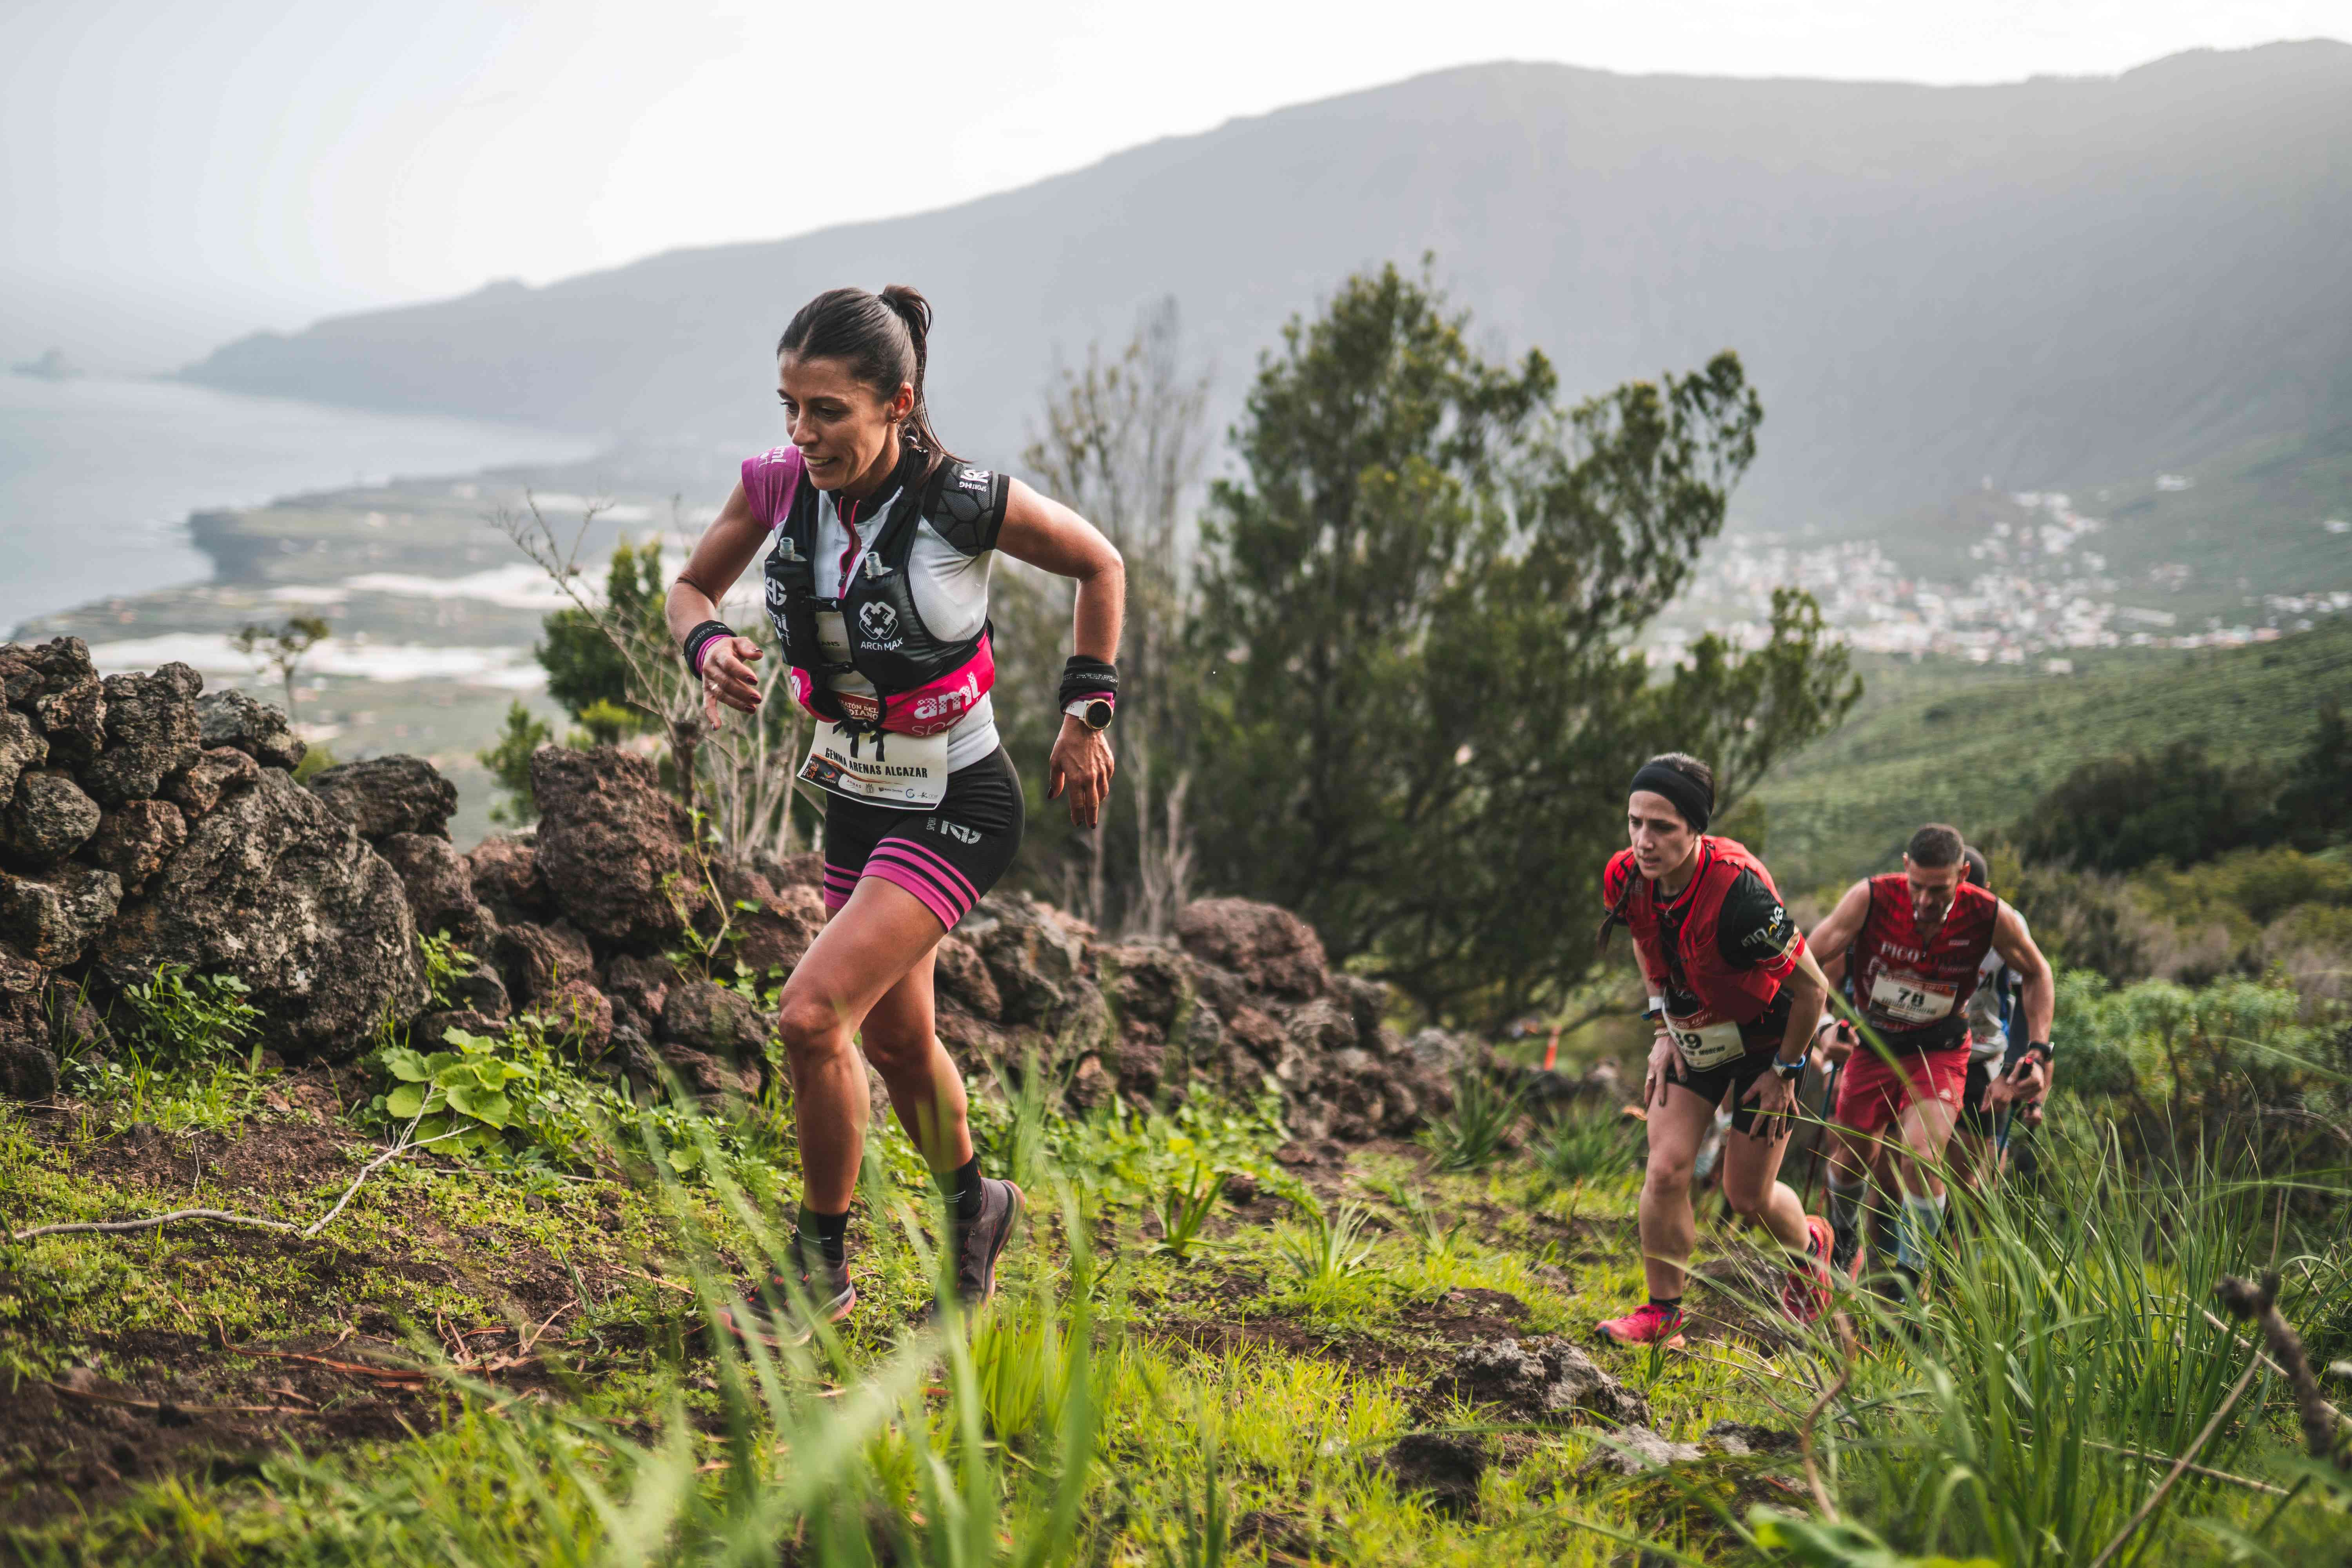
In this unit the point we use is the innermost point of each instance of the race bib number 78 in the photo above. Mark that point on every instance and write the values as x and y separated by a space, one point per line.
1908 999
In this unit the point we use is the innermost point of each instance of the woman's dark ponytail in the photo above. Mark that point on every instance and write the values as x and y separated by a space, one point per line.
884 337
915 312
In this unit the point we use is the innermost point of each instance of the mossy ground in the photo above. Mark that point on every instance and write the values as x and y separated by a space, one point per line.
200 1393
144 1415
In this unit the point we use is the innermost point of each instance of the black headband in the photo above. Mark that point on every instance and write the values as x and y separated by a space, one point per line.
1691 797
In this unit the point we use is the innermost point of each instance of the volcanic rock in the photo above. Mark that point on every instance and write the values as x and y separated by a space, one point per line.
581 1015
384 795
151 733
52 919
215 774
277 890
1543 1379
22 746
505 876
440 889
962 978
535 960
135 841
1630 1450
29 1061
50 817
709 1017
611 847
259 730
1033 956
1271 949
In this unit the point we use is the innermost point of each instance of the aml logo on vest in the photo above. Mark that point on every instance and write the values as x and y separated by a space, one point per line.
876 619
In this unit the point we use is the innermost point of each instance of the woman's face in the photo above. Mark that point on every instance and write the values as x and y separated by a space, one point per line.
1662 840
842 425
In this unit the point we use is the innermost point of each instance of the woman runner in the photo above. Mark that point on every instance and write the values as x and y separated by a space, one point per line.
878 584
1734 995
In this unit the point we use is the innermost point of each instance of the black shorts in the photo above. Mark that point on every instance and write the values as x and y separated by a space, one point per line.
949 855
1738 1076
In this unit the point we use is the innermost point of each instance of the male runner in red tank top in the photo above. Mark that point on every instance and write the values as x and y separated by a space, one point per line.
1909 946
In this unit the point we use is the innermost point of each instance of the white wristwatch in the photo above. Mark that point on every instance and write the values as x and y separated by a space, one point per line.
1094 713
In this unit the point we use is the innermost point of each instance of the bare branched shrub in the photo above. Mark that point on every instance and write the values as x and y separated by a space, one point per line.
738 776
1124 442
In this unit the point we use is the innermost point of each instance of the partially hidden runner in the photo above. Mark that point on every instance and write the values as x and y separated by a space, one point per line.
1910 946
2007 1082
1734 995
877 586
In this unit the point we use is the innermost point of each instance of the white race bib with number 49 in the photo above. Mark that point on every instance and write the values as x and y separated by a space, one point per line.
1908 999
1707 1046
906 771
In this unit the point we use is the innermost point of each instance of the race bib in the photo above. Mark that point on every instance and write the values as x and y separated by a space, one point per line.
1908 999
906 771
1711 1046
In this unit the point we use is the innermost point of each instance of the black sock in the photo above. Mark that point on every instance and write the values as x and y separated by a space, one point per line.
964 1189
829 1231
1667 1303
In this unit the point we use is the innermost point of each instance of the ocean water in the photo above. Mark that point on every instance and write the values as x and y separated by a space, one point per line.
97 477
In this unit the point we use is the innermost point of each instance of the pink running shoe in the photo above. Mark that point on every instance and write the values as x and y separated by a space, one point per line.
1806 1295
1646 1325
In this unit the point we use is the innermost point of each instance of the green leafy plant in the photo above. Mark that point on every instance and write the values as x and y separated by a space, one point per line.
1483 1115
1439 1241
183 1017
444 962
1584 1145
1324 1248
1184 1207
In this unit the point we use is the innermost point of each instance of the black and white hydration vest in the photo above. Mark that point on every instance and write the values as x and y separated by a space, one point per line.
921 683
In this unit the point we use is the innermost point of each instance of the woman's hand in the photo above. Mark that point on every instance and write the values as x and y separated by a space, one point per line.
1775 1096
1082 763
728 676
1665 1068
1838 1041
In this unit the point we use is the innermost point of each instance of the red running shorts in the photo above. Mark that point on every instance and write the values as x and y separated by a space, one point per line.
1871 1096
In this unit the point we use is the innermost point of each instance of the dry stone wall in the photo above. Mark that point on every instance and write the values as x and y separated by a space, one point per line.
143 822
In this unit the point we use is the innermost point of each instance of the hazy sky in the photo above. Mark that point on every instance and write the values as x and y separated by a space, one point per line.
172 174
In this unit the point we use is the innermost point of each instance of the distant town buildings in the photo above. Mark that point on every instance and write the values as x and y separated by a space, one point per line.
2039 591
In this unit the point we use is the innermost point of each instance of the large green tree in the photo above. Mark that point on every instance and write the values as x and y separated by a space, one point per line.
1417 607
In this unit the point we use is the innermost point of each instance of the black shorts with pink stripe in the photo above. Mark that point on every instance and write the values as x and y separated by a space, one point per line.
949 857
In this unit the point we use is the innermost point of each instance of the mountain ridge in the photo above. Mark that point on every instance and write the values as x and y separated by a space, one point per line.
1929 284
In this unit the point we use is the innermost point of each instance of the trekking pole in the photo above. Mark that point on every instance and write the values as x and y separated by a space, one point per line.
2000 1141
1821 1136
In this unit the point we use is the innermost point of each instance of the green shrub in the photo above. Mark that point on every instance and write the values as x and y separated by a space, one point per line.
183 1017
1483 1115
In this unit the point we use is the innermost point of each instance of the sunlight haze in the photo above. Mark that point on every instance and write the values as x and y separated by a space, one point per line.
176 176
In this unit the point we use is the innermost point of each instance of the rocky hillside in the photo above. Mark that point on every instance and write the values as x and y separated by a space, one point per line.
146 824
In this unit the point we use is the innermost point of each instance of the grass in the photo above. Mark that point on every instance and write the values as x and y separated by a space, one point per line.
1231 1400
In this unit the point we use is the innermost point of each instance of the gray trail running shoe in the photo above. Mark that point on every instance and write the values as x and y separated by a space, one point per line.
823 1287
978 1244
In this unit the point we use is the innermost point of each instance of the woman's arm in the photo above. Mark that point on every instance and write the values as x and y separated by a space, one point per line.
1048 535
727 547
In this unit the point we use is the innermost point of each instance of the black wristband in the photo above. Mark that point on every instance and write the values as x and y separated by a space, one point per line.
1083 677
701 637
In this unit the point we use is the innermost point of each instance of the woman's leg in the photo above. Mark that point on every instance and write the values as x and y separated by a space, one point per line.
901 1039
1669 1229
866 951
1751 1171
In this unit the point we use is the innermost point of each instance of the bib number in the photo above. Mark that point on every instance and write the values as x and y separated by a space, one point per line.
1908 999
1711 1046
910 771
